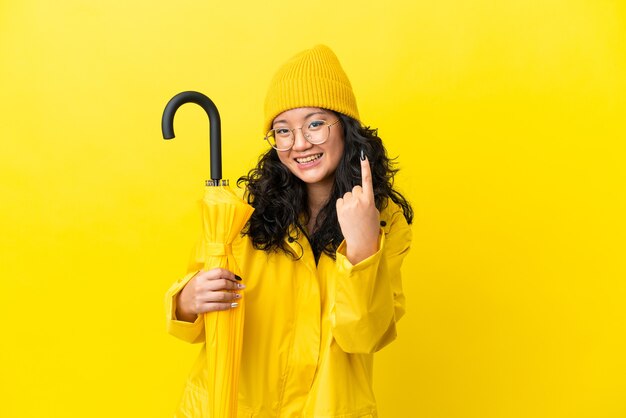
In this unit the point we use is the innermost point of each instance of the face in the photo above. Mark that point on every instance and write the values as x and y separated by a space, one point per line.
313 164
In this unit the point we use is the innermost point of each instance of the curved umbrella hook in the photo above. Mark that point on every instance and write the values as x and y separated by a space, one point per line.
215 141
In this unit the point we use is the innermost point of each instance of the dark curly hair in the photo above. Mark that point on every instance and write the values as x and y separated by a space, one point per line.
280 198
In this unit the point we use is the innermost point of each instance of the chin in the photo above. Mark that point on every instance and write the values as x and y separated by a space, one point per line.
311 179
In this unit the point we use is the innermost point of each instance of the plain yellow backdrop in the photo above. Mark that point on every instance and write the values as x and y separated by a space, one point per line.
508 120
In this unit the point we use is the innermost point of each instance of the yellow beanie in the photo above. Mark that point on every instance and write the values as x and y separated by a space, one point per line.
312 78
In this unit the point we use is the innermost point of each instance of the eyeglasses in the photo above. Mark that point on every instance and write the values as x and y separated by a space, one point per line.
316 132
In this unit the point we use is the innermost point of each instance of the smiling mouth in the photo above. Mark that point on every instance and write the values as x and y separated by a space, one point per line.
308 159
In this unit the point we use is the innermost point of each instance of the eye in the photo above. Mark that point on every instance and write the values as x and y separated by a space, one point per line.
316 124
282 131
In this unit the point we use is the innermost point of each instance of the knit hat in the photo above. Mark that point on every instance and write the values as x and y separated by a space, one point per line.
312 78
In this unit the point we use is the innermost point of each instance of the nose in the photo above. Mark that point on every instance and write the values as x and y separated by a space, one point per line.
299 141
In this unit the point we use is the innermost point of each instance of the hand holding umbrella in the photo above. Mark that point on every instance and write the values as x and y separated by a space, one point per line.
208 291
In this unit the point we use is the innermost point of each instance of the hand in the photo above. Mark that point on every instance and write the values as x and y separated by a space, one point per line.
207 291
358 217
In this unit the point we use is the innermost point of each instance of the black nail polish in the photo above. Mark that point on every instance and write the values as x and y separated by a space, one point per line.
362 154
237 277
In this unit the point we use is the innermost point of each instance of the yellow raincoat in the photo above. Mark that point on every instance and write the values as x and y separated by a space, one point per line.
310 331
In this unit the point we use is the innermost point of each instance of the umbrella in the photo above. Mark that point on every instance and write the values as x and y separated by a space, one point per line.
223 217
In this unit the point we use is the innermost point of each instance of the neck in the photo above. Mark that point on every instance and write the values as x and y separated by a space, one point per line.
317 196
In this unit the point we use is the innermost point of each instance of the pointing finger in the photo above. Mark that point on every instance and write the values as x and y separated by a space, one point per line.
366 175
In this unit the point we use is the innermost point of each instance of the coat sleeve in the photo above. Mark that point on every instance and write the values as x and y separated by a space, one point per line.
186 331
368 296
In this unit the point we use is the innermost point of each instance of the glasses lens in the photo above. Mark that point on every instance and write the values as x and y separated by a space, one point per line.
281 138
316 131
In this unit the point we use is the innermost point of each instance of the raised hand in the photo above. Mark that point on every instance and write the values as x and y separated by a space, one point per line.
358 217
212 290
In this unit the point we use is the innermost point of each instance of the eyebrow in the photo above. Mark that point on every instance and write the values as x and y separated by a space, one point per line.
306 117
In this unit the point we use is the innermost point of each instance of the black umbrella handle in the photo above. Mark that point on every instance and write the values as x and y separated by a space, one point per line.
215 141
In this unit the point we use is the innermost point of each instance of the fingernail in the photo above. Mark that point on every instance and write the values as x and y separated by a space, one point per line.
237 277
241 285
234 305
362 154
237 295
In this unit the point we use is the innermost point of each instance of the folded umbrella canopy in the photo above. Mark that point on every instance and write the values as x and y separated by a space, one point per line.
223 217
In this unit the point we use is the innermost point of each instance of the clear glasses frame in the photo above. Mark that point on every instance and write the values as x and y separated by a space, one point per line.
306 134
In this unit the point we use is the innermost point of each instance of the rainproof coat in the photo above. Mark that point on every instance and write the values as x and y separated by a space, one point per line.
310 330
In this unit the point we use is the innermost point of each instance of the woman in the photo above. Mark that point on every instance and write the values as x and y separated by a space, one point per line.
328 235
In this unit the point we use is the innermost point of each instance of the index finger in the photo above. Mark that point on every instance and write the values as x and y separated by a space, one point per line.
366 175
221 273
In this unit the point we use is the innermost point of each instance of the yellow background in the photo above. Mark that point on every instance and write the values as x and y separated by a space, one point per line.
508 118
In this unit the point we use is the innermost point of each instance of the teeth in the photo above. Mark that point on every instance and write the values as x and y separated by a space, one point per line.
308 159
